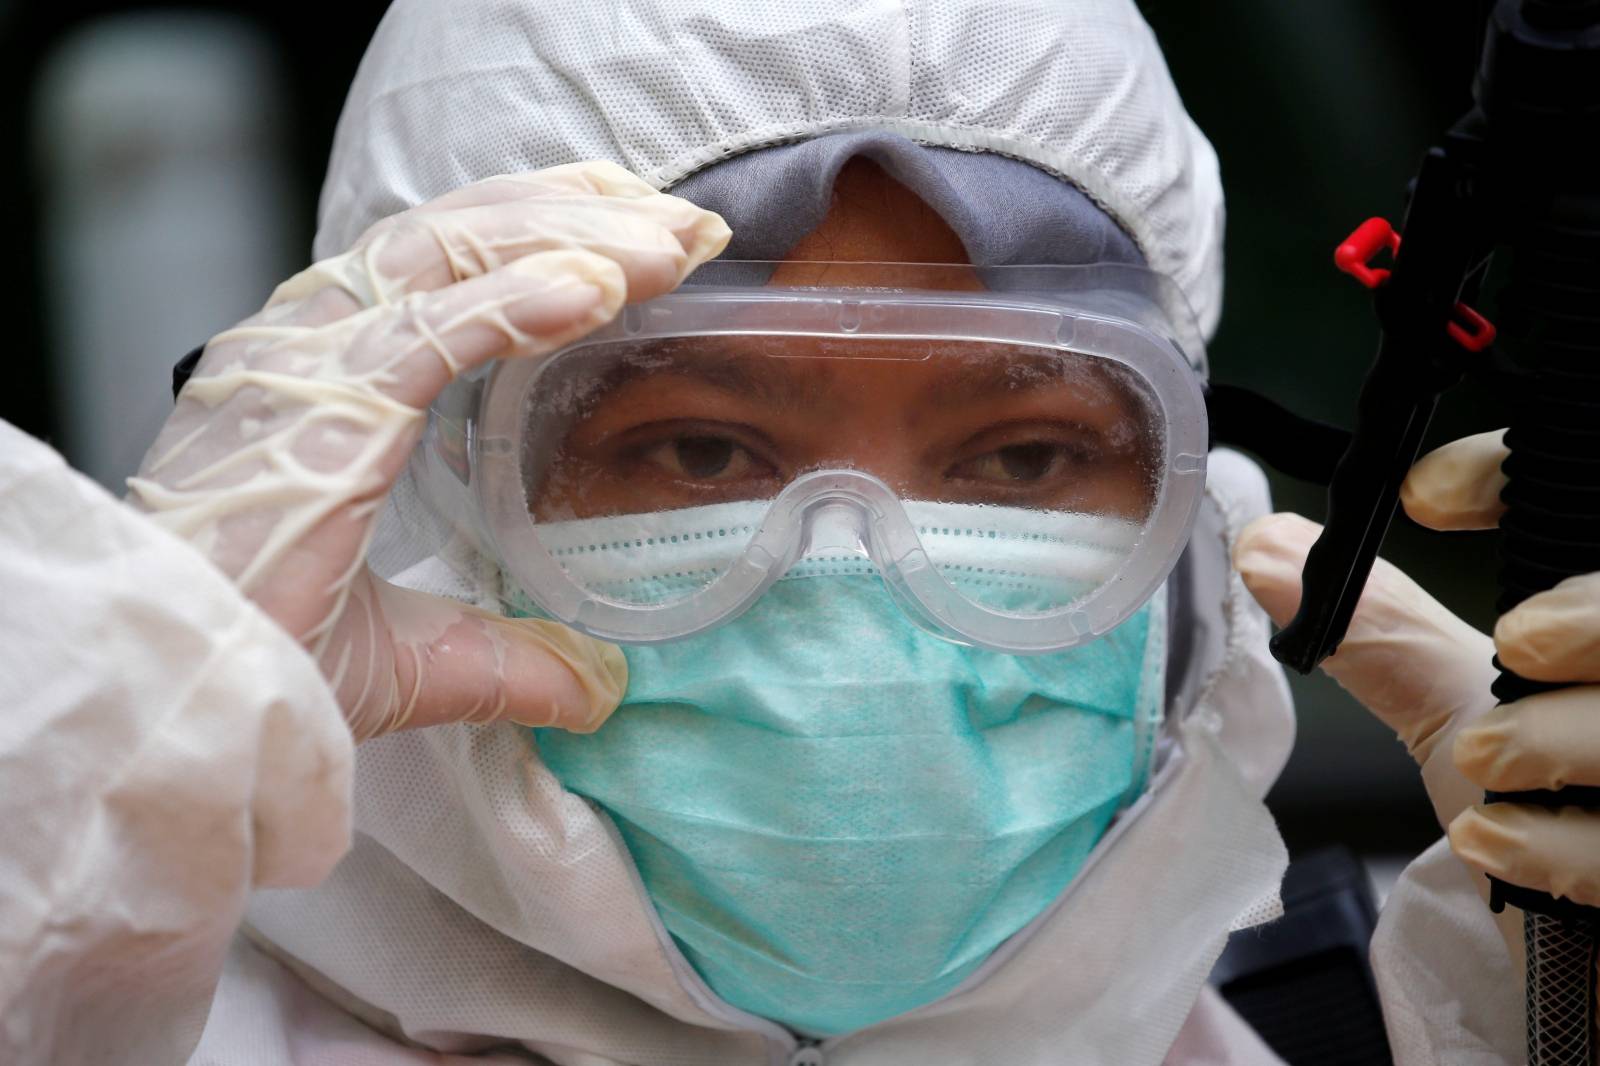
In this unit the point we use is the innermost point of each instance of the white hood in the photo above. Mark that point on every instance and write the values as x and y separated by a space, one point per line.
452 92
480 897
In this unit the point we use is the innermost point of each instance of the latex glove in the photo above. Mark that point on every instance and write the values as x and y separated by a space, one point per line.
1426 674
1418 668
297 422
1546 740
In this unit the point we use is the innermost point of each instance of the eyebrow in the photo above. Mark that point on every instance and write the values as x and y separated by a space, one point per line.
728 365
754 367
1017 373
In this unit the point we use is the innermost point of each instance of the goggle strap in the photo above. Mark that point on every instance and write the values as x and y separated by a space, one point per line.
1292 444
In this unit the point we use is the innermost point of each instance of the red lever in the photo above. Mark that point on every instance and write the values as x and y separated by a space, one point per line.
1473 332
1480 335
1358 249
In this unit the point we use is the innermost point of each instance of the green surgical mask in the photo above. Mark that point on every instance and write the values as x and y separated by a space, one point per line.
837 816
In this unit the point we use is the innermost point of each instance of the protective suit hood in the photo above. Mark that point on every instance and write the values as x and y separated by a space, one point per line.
481 897
453 92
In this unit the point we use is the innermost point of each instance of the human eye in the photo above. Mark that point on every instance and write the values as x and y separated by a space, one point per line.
1027 457
1025 463
1055 465
677 462
703 457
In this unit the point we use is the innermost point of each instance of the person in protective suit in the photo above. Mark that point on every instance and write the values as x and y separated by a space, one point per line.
934 714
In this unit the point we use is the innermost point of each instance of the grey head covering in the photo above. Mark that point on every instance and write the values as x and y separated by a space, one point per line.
1004 211
1007 213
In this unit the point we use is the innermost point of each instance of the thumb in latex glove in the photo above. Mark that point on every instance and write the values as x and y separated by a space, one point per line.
1544 741
297 422
1418 668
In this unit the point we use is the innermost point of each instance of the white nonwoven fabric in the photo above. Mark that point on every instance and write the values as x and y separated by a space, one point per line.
164 748
1451 996
451 92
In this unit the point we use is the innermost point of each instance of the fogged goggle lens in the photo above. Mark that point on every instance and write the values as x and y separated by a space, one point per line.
1026 473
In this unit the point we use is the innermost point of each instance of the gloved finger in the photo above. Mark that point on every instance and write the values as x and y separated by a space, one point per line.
656 240
1551 851
286 439
422 253
1554 635
528 307
597 177
1547 740
649 239
1406 658
448 662
1458 486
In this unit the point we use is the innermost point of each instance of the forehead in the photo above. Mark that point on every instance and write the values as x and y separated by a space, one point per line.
872 218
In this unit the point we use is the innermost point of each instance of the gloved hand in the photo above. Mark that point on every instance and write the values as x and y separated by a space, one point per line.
296 423
1426 674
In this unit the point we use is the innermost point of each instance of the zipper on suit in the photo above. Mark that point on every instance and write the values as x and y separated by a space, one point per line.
808 1053
783 1045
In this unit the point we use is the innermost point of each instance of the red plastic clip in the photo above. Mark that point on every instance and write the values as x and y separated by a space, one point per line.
1358 249
1481 334
1473 332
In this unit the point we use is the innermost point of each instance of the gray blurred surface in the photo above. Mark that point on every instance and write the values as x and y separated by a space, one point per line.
166 206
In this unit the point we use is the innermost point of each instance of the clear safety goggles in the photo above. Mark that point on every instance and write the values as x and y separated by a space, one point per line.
1018 452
